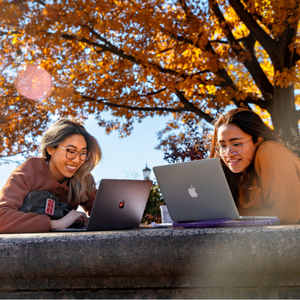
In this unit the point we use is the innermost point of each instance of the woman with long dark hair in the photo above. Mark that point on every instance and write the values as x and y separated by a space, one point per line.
263 174
69 154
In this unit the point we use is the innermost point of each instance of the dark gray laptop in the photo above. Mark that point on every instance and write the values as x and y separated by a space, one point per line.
119 204
197 190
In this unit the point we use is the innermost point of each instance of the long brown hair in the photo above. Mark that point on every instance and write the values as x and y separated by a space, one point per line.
82 182
250 123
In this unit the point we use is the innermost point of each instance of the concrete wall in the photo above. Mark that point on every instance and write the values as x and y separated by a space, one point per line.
250 262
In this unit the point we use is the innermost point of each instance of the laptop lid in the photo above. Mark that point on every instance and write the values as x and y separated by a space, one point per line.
196 190
119 204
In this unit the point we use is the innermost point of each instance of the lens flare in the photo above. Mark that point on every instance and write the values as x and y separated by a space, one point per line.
34 82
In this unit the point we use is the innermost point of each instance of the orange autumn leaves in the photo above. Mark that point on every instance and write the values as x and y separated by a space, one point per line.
137 59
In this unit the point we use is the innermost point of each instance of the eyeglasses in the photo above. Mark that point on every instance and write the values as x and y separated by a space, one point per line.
236 149
71 154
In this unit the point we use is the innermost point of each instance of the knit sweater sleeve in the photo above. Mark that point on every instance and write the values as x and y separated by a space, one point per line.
278 170
19 184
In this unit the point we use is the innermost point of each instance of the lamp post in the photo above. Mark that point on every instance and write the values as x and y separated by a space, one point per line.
146 173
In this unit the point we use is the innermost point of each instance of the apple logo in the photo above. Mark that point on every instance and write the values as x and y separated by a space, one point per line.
192 192
121 204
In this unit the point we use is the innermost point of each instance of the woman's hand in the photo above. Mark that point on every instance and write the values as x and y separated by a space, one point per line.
72 217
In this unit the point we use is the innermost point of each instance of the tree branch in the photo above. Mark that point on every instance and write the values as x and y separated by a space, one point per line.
2 33
41 2
12 155
190 107
261 103
135 108
187 106
221 72
107 46
260 35
218 42
252 65
186 9
258 17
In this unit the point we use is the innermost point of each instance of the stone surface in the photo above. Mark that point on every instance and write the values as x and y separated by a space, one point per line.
244 262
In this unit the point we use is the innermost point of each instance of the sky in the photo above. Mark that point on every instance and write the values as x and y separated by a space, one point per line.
122 158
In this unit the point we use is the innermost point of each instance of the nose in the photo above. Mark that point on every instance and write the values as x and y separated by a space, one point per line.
227 152
76 158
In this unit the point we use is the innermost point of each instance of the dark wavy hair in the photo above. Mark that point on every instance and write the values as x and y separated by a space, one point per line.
82 182
250 123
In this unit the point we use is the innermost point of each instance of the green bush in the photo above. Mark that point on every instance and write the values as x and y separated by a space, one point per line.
152 210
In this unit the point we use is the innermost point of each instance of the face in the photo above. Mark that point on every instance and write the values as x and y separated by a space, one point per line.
59 165
231 134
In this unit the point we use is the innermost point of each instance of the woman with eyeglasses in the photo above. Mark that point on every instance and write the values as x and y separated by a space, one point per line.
263 175
68 155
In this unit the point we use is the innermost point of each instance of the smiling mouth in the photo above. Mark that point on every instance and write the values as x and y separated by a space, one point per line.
71 168
233 161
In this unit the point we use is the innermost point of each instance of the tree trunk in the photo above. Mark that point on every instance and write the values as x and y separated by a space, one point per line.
283 114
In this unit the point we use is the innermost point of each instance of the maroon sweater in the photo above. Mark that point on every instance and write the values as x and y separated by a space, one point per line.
32 175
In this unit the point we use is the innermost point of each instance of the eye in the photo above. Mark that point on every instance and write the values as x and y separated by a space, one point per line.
71 151
236 144
222 146
83 153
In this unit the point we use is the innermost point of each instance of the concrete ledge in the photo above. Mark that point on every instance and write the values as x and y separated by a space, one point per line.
249 262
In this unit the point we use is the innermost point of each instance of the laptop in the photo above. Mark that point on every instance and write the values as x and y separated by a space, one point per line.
197 190
119 204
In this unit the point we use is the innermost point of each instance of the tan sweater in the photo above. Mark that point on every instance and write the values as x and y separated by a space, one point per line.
32 175
277 192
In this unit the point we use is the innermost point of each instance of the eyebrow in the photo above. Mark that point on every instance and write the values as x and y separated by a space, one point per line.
85 148
231 140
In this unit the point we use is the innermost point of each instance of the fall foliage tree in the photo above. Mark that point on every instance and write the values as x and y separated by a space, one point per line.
22 121
188 145
140 58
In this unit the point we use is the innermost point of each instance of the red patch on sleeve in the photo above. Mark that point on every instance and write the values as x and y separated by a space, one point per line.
50 205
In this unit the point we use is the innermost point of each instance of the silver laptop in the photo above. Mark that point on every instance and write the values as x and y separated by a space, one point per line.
197 190
119 204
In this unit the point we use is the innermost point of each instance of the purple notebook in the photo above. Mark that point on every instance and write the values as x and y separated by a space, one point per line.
228 223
